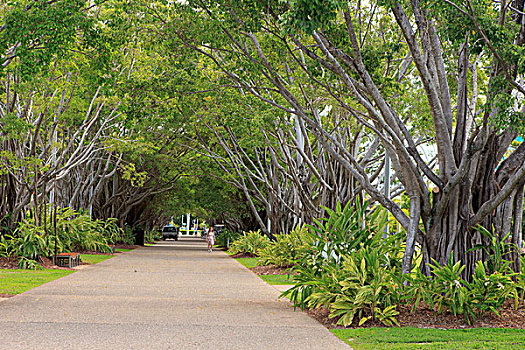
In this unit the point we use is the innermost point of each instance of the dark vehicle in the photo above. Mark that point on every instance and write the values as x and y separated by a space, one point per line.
218 229
170 232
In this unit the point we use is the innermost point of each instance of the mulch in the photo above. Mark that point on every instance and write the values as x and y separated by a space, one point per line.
425 318
3 295
6 263
126 246
270 270
243 255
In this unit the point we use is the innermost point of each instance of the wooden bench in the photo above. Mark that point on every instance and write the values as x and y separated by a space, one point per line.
68 259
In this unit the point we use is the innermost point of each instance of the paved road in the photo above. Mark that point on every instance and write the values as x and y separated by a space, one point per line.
174 295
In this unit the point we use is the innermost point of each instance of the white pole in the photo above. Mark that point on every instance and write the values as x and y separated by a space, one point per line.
188 223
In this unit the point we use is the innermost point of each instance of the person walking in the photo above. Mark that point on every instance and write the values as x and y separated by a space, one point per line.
210 238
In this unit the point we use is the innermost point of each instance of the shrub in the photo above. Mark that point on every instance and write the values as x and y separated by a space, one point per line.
446 291
226 237
369 289
287 249
7 247
152 235
75 231
343 232
28 264
349 268
251 242
125 236
520 280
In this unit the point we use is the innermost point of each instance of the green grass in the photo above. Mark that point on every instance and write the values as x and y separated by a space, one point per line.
423 338
94 258
123 250
277 279
19 281
270 279
248 262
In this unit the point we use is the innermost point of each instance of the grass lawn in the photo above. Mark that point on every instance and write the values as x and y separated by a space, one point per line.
94 258
277 279
123 250
19 281
248 262
441 339
270 279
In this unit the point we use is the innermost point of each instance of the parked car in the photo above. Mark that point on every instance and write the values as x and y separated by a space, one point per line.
218 229
170 232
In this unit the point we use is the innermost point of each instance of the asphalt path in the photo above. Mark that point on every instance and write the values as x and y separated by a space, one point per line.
174 295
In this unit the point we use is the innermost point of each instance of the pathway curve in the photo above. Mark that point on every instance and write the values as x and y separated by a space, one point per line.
174 295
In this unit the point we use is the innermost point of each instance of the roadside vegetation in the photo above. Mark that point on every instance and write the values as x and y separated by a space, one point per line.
345 266
31 243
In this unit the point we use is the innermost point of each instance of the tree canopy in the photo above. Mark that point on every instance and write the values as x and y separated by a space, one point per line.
266 113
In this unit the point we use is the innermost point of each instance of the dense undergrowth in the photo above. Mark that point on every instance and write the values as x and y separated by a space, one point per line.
75 231
345 264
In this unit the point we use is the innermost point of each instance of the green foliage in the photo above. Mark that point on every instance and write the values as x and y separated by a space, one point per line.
520 280
450 290
28 264
287 249
7 248
488 291
124 236
75 232
345 230
152 235
348 267
251 242
446 291
226 236
369 290
45 30
495 250
310 15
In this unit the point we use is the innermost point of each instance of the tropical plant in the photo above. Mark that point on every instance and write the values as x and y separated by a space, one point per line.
344 231
368 290
28 264
6 246
152 235
226 237
447 291
251 242
287 249
496 249
488 291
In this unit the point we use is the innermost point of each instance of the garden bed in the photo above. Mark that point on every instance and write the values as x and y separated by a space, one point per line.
270 270
243 255
422 317
6 263
425 318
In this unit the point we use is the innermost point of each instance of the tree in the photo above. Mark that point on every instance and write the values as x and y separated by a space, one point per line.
373 58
